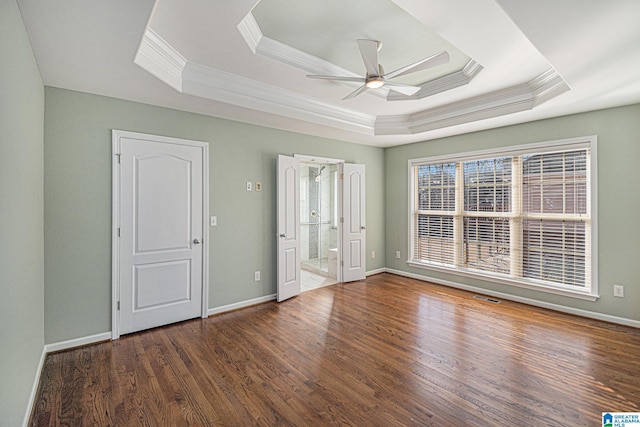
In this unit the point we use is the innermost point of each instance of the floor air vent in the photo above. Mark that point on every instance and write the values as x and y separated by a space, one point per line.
487 299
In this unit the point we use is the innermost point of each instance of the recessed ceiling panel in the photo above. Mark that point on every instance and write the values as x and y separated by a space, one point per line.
329 29
212 57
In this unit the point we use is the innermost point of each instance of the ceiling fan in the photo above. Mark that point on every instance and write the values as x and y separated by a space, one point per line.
376 77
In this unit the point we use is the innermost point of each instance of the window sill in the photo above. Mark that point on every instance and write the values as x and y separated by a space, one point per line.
506 281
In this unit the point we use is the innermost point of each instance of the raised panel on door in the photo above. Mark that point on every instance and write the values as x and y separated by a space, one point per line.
148 296
162 218
288 194
161 208
354 226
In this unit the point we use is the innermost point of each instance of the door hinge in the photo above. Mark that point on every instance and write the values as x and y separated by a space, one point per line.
118 231
341 263
118 156
118 305
341 220
341 176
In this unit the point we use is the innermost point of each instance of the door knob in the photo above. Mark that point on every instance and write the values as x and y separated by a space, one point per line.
283 235
362 227
196 241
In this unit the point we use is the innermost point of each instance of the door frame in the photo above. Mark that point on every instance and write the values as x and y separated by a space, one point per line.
116 136
328 160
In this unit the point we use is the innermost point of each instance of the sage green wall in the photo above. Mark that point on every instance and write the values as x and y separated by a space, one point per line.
618 132
21 211
78 202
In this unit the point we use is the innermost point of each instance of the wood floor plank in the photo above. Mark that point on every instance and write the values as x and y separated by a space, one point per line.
387 351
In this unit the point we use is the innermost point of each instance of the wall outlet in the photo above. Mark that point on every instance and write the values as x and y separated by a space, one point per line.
256 276
373 254
258 186
249 186
618 291
397 254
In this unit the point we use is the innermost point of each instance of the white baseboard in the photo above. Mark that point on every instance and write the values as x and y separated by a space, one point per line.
536 303
77 342
34 388
241 304
376 271
254 301
58 346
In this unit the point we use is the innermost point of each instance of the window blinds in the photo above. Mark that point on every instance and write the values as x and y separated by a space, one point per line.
522 215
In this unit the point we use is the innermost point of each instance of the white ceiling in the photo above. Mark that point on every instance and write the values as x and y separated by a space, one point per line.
332 36
513 61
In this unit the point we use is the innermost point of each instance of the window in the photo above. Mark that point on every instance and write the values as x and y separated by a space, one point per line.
520 216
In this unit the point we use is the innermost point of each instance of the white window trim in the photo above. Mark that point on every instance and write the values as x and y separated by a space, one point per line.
539 148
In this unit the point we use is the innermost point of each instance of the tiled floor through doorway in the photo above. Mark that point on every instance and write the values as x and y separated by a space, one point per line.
312 280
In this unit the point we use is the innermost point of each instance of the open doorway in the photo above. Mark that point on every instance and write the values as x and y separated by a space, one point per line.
318 225
348 206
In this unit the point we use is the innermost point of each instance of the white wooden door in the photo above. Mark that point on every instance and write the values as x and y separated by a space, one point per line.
288 227
354 223
161 232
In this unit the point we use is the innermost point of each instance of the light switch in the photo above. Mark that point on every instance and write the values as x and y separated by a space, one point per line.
214 221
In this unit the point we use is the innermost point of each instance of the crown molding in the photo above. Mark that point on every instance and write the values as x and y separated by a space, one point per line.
250 31
281 52
442 84
498 103
202 81
268 47
160 59
548 85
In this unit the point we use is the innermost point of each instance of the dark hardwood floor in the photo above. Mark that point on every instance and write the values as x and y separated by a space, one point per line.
388 351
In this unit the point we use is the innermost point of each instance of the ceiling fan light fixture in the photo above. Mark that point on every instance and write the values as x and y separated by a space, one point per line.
375 83
375 78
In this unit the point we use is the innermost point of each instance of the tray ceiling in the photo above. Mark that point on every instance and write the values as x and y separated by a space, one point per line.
309 28
247 60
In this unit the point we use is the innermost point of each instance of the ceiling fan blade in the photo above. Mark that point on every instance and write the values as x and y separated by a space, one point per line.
355 92
402 88
432 61
340 78
369 52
